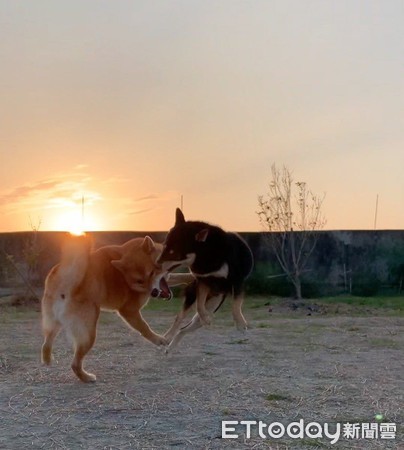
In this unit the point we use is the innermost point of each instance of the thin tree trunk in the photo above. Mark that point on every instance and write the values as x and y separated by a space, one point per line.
298 287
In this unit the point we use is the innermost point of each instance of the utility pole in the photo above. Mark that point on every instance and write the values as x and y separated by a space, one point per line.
377 204
82 212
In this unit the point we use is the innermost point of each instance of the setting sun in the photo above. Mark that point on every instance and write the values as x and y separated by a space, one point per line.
74 222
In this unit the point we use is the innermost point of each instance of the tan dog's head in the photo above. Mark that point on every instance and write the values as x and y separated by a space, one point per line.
139 267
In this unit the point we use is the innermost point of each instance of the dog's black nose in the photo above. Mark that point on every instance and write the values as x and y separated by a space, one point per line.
155 292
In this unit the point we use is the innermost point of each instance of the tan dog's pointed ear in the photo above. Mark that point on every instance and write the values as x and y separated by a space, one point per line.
148 245
117 263
202 235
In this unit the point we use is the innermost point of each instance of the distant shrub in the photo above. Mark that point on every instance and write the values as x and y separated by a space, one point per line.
311 289
264 281
366 284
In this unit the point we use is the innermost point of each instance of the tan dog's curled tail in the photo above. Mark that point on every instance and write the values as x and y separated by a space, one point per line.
74 261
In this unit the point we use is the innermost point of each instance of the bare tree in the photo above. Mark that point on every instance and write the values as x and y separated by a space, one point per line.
32 251
292 215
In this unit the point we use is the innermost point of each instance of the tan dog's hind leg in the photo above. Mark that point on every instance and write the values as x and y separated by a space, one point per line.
172 331
201 296
50 328
212 304
82 329
237 313
176 279
134 319
81 350
49 334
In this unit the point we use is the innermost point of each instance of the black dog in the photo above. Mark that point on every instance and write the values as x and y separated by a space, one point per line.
220 261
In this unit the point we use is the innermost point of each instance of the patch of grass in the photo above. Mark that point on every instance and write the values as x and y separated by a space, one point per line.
263 325
384 343
352 419
307 442
254 302
312 328
395 302
277 397
18 313
238 341
107 318
161 305
4 364
22 350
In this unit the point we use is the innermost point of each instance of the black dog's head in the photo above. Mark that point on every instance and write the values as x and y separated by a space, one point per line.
181 243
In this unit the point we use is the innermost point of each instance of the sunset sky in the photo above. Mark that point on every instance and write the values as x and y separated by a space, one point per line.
131 104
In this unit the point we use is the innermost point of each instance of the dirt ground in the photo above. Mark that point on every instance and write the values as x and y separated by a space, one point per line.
332 368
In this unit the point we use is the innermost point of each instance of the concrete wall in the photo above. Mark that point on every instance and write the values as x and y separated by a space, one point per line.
359 262
342 261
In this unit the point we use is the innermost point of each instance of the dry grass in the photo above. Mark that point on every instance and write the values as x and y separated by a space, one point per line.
320 368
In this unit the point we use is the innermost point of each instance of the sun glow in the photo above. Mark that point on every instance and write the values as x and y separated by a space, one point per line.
74 222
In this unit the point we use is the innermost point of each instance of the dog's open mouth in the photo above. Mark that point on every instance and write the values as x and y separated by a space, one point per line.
164 291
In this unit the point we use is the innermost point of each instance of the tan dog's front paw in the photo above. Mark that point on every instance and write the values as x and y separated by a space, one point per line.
168 336
159 340
205 318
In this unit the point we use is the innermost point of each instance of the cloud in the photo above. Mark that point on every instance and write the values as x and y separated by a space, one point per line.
20 193
155 201
146 197
115 180
141 211
52 196
81 166
59 191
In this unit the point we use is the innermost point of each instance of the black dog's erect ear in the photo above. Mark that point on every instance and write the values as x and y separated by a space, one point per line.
202 235
179 217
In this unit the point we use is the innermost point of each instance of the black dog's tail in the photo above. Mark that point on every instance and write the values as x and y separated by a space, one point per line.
221 303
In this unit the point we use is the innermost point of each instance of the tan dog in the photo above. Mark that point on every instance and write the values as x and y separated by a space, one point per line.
117 278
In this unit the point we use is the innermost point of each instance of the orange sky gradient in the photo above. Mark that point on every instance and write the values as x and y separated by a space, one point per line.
133 104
